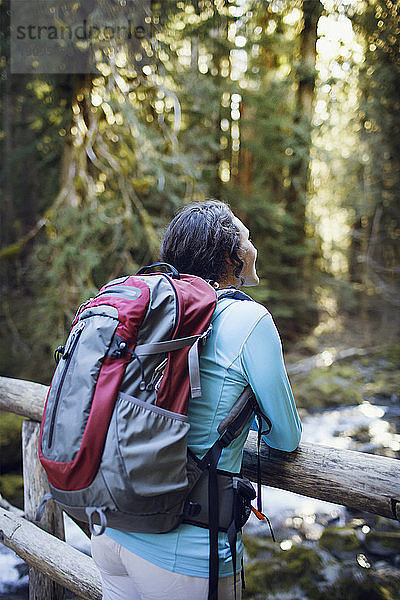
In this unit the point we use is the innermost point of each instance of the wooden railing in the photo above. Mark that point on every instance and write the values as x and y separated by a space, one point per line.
361 481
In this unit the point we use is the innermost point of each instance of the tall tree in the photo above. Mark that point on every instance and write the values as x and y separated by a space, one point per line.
375 252
271 188
304 102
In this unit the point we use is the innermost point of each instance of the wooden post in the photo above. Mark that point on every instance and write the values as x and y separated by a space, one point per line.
35 487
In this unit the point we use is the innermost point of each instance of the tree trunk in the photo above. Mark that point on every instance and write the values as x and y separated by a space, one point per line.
299 173
7 212
299 170
29 214
245 175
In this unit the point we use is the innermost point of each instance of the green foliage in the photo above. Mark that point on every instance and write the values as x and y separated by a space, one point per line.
269 192
100 163
12 488
11 482
10 441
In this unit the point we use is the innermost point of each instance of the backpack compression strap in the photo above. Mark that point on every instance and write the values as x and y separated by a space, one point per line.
170 346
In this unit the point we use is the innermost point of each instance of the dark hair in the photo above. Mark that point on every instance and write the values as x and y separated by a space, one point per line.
201 238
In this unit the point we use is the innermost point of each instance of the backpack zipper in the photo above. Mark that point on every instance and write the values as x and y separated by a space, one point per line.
168 278
67 356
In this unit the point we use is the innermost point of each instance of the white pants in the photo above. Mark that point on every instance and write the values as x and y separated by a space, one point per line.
126 576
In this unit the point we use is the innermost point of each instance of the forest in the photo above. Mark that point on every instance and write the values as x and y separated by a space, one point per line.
289 111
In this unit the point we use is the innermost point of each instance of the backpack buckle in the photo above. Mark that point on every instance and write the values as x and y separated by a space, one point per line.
192 509
226 438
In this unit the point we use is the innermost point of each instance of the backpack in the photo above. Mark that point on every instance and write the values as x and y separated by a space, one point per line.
113 438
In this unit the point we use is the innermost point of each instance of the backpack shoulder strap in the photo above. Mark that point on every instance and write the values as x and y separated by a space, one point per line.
229 429
231 292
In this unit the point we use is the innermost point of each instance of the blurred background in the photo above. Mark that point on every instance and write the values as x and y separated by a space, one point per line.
290 112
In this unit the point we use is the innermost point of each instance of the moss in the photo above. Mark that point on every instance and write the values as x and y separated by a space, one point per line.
366 361
392 354
348 382
313 571
12 488
386 383
362 585
339 539
281 571
258 579
388 582
10 442
329 386
385 524
255 546
11 482
387 540
299 560
386 375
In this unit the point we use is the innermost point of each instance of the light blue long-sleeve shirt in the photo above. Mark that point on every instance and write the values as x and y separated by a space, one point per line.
243 348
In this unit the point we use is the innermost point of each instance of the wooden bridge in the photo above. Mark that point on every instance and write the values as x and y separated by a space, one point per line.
361 481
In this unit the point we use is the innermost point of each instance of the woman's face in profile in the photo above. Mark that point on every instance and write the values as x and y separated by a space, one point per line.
248 255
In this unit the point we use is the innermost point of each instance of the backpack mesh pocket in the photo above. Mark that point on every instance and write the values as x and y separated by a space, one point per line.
152 445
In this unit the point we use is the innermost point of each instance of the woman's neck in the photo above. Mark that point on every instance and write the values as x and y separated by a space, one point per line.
229 281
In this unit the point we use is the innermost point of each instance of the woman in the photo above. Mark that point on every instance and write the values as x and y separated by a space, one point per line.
207 240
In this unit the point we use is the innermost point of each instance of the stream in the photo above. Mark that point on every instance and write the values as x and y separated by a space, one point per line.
368 427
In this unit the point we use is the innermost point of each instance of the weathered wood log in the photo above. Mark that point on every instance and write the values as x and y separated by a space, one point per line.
49 555
355 479
23 398
35 486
